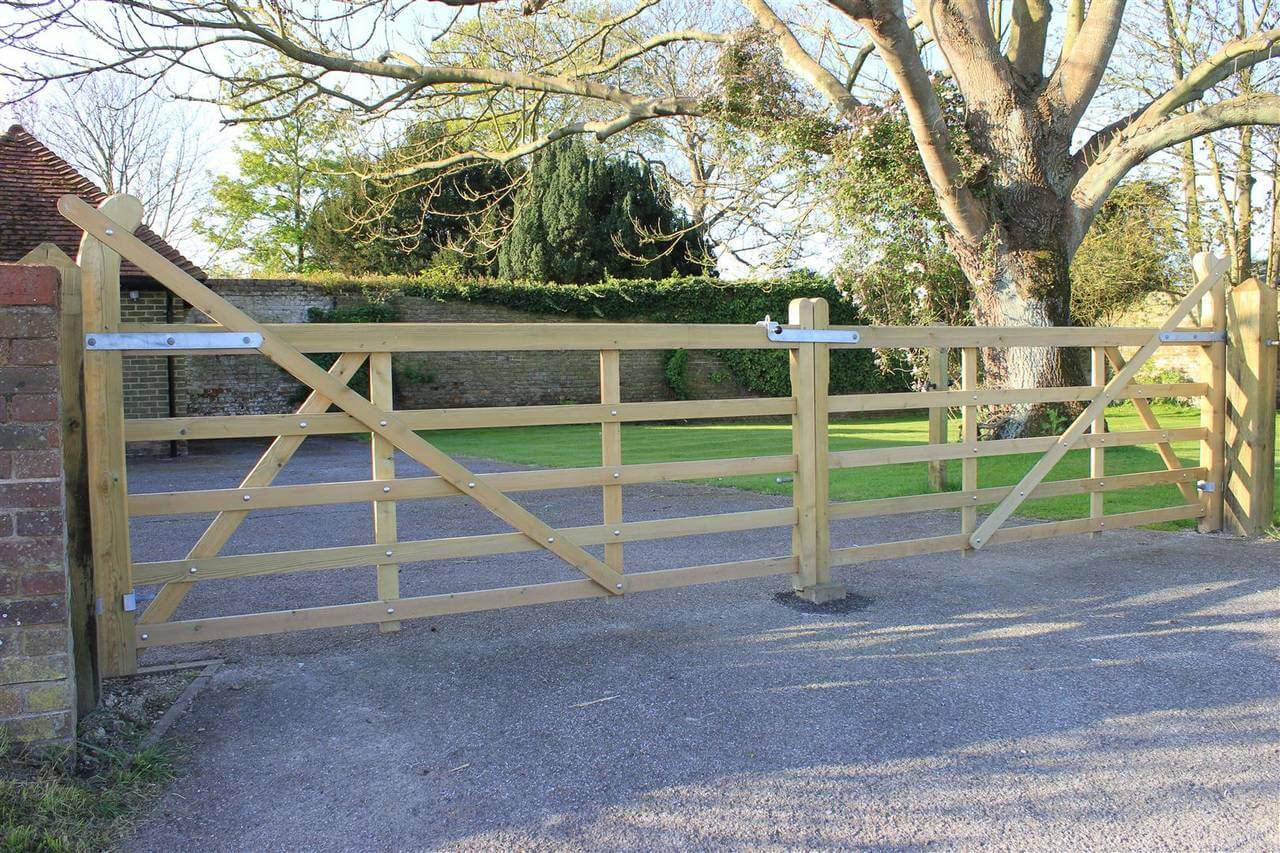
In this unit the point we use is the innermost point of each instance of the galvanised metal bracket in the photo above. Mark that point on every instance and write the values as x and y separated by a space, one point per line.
1193 337
1206 486
177 340
776 332
129 601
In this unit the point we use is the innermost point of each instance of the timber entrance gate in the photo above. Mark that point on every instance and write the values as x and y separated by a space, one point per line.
123 629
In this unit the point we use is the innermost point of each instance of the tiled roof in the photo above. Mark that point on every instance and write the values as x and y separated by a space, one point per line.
31 179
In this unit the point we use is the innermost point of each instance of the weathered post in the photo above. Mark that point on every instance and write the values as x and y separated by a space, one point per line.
104 434
810 381
1249 499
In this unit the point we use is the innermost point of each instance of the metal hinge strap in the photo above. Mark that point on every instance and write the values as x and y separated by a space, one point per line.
174 340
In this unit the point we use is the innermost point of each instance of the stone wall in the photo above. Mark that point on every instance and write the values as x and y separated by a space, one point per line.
223 385
459 379
37 682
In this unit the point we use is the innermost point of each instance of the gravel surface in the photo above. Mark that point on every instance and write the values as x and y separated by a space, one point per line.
1109 693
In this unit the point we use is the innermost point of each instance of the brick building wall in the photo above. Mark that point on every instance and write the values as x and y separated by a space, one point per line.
224 385
37 684
146 378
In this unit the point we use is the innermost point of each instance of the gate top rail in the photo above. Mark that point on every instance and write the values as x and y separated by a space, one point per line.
474 337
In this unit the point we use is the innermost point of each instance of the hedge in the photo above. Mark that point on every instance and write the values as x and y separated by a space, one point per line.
676 300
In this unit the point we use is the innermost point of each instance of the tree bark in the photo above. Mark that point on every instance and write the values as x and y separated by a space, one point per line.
1023 283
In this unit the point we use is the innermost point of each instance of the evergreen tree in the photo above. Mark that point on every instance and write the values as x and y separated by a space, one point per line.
582 216
368 224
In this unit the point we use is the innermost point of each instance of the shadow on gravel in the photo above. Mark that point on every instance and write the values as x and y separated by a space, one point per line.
1110 692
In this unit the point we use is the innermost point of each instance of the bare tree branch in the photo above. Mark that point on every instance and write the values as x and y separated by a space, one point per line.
801 63
1107 172
1078 75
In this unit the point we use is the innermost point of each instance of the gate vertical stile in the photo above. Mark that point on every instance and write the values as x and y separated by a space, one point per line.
117 650
383 451
1213 414
938 381
969 438
611 452
1097 455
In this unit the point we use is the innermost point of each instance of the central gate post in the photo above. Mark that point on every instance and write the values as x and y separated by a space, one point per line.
810 382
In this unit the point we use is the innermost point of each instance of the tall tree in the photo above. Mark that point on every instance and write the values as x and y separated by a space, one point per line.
285 163
1013 225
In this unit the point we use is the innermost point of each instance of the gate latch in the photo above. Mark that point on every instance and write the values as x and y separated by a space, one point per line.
775 332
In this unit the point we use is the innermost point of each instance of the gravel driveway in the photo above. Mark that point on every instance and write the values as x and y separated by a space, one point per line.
1117 692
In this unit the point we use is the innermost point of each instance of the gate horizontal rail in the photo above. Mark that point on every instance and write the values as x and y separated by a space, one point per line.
809 464
512 337
269 426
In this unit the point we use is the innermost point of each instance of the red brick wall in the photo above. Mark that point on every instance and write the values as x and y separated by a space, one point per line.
37 691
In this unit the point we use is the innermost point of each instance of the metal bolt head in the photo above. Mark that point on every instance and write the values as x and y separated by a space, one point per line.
617 532
386 488
471 485
613 411
110 232
617 475
302 424
551 538
391 610
170 341
382 423
247 497
193 570
388 552
617 586
146 636
93 342
246 339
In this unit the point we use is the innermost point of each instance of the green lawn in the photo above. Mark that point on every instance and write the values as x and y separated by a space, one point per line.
579 446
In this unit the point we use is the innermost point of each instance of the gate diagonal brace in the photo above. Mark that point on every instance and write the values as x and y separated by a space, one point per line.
384 423
1214 270
263 473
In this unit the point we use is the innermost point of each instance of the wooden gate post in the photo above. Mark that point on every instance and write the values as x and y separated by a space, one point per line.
1251 409
1213 413
810 382
104 433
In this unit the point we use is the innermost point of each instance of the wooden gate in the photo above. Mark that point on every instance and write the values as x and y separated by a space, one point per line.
808 337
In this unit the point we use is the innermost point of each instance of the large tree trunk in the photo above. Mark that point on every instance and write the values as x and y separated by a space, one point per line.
1024 281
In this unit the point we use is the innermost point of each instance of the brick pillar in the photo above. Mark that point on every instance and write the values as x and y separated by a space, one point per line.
37 673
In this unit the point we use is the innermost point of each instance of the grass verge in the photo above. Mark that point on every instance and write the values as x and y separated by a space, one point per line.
579 446
86 800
